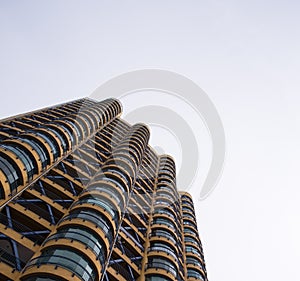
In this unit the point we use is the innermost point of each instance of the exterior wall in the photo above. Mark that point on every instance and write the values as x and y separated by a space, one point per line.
84 197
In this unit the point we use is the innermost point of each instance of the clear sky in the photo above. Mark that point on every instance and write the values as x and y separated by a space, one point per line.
243 54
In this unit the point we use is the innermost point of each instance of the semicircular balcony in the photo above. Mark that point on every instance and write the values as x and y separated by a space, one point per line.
37 148
189 222
113 178
194 274
81 119
165 233
190 238
107 207
164 249
16 166
163 266
194 250
109 190
63 134
96 218
77 127
121 168
87 237
69 261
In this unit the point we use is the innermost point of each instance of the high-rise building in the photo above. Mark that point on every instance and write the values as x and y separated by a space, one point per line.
83 197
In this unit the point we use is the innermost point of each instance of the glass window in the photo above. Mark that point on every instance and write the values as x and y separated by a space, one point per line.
164 221
53 145
95 217
191 249
38 149
11 174
121 185
164 212
24 157
74 127
84 236
71 260
67 130
191 240
118 172
195 274
158 246
108 190
61 137
101 202
163 264
164 233
191 260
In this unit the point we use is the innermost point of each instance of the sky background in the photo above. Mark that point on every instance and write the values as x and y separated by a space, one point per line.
243 54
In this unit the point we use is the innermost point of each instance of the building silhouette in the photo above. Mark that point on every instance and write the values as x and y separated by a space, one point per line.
83 197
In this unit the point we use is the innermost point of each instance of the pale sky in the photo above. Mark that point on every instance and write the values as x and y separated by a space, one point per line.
243 54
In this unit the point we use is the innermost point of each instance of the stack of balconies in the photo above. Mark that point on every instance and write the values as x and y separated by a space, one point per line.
96 214
195 263
165 252
84 197
31 147
32 207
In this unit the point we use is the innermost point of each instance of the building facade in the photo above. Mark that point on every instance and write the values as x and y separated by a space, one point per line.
84 197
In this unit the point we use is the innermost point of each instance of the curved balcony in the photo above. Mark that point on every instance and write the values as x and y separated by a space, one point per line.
113 179
192 239
190 230
93 217
84 235
92 116
166 173
74 128
72 261
164 211
68 131
196 261
189 222
133 151
164 233
161 220
188 204
167 181
31 150
165 187
124 171
188 208
77 127
11 178
104 203
188 214
193 274
110 190
41 151
30 166
164 265
81 119
62 134
162 247
123 159
89 120
194 250
52 140
166 194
